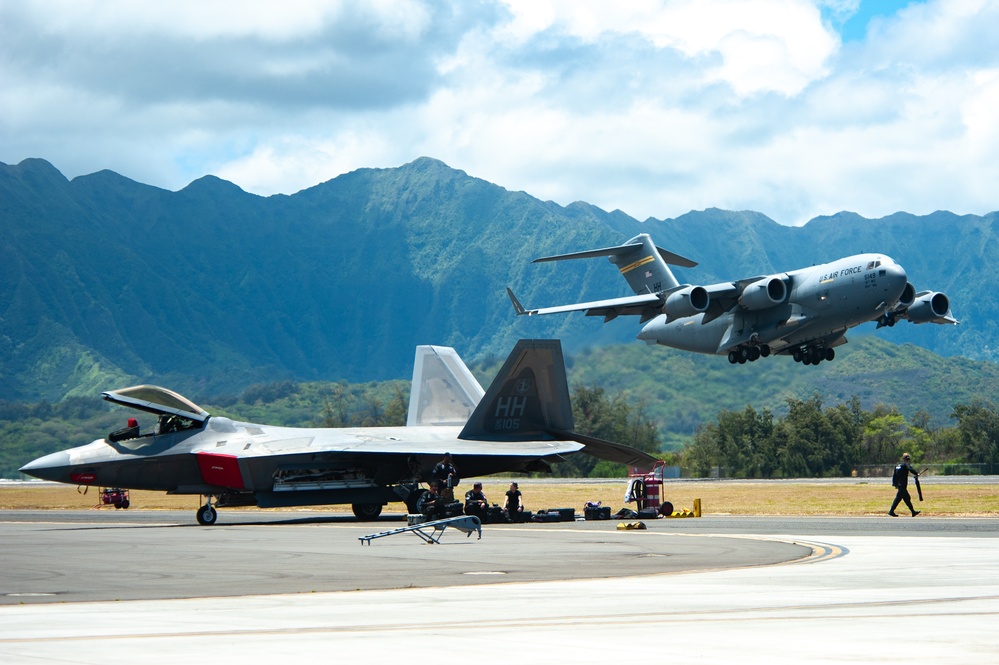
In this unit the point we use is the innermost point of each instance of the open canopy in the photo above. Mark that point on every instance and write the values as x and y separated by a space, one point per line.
160 401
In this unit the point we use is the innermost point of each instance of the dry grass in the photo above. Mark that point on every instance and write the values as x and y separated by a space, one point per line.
717 497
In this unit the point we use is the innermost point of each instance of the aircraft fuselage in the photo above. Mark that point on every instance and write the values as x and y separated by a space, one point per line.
822 302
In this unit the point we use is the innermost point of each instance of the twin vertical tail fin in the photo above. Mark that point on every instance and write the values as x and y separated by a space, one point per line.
527 400
444 392
641 263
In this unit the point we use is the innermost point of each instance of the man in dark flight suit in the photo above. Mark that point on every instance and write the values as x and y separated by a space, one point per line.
900 481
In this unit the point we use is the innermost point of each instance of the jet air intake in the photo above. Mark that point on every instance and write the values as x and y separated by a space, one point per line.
930 308
764 293
688 301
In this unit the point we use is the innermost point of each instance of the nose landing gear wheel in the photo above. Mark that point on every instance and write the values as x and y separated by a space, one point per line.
207 515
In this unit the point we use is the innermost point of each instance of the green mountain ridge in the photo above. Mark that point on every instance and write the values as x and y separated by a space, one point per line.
105 281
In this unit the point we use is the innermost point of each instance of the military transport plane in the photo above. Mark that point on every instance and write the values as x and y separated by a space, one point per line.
522 423
803 313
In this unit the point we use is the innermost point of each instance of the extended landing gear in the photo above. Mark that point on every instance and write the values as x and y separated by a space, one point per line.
812 355
750 353
366 512
207 515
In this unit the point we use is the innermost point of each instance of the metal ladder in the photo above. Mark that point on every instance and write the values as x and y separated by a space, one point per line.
466 523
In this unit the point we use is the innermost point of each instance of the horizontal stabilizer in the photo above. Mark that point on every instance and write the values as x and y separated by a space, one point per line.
619 250
612 452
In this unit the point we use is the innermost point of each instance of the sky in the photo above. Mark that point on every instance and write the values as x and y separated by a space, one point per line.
791 108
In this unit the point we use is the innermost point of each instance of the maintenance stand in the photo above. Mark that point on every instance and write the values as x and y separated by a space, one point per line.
466 523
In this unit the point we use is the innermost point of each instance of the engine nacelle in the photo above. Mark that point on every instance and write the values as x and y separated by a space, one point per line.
764 293
908 295
687 301
933 307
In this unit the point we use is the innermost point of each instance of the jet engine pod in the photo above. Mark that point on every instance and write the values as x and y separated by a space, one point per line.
764 293
688 301
908 295
930 307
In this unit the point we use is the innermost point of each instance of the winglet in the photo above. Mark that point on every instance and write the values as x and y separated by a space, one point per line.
517 307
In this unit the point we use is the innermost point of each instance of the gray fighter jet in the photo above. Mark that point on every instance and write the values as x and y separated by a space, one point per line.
803 313
521 424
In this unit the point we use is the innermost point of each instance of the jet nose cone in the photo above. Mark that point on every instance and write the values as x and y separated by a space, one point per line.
49 467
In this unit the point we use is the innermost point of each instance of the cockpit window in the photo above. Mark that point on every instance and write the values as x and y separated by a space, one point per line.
160 401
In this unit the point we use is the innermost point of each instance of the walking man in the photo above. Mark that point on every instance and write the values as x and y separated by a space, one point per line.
900 481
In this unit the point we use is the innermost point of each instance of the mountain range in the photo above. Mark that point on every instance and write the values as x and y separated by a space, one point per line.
106 282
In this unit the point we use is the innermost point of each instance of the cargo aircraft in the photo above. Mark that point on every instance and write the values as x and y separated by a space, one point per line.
521 424
803 313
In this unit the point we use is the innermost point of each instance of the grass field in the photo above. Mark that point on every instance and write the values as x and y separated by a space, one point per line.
717 497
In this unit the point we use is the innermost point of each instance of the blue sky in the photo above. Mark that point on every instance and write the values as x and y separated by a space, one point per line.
793 108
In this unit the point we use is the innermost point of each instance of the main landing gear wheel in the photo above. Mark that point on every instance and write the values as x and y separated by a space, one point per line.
413 501
207 515
366 512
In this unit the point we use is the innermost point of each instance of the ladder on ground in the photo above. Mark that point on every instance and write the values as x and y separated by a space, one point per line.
431 532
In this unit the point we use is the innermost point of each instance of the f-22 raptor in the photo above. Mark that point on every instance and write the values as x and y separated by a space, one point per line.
803 313
522 423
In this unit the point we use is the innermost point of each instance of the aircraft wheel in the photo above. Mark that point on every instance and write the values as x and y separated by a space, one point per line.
366 512
765 350
733 357
207 515
798 357
413 501
830 354
754 354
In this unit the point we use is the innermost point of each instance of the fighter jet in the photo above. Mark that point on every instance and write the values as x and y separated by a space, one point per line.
521 424
803 313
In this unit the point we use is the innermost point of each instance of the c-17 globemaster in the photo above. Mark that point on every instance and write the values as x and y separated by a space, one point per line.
803 313
522 423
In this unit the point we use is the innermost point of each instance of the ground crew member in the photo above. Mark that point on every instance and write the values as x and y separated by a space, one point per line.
900 481
475 502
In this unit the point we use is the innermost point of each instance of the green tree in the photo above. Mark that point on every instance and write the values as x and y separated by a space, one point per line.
978 431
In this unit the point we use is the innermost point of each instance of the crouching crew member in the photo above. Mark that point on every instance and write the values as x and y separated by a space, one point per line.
475 502
513 507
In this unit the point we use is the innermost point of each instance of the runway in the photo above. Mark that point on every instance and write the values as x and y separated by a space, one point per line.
148 587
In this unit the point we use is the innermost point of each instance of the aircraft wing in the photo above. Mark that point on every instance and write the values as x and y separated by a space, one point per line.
646 305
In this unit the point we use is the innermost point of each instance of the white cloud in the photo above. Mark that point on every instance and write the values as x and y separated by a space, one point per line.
652 107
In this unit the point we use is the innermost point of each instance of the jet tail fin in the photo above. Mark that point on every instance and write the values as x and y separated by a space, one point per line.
444 392
641 263
528 399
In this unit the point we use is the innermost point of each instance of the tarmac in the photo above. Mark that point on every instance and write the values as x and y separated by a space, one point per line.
153 587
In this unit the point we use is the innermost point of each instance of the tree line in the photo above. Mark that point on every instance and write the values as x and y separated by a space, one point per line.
811 440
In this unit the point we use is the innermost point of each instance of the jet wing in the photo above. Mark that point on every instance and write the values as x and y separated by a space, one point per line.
645 305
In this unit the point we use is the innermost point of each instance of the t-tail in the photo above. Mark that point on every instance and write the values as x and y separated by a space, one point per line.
527 400
645 266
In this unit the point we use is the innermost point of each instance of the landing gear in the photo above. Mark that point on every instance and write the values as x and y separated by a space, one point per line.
750 353
366 512
414 501
812 355
207 515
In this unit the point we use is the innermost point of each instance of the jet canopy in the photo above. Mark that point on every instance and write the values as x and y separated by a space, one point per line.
160 401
